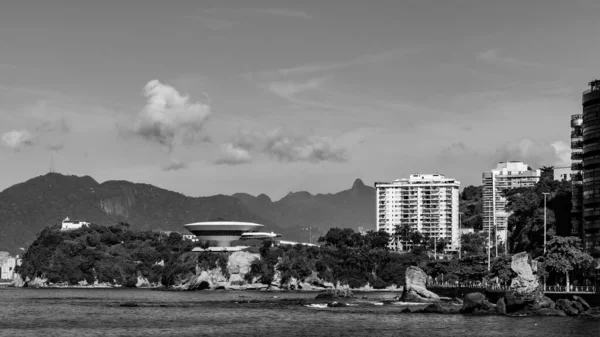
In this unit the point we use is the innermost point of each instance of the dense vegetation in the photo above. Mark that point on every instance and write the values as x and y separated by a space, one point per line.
114 254
526 223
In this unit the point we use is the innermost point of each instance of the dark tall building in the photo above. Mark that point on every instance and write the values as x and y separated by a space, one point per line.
591 166
576 174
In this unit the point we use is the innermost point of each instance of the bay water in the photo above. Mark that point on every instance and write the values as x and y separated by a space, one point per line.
100 312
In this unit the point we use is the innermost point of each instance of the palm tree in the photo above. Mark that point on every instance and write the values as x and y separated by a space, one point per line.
403 231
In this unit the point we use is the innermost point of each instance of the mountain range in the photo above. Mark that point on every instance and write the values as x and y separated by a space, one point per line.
28 207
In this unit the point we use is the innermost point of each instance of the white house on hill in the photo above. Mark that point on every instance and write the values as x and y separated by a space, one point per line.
68 224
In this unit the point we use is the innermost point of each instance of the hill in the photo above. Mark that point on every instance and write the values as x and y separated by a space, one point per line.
351 208
28 207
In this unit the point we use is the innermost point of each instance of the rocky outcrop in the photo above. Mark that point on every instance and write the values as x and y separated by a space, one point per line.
17 281
526 282
238 265
501 306
335 294
415 289
526 295
477 303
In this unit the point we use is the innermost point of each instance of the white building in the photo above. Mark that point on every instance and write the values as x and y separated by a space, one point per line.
190 237
7 265
507 175
426 202
68 224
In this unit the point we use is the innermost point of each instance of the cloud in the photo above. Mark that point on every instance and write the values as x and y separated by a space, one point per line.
293 13
211 23
285 12
288 89
285 148
358 61
491 56
169 115
562 151
534 153
17 139
456 153
311 149
61 125
233 154
174 165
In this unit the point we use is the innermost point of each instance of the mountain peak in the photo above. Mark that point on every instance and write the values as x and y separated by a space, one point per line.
358 183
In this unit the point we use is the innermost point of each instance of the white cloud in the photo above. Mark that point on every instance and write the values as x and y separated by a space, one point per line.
286 12
169 115
358 61
17 139
311 149
174 165
534 153
491 56
234 155
293 13
286 148
562 151
288 89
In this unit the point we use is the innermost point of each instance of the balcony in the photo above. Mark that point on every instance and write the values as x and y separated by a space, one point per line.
577 177
576 133
577 166
576 156
577 144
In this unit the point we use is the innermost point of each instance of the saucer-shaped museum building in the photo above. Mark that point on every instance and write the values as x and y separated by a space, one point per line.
223 233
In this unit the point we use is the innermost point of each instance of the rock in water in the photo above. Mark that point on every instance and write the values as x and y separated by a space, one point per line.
578 306
415 289
473 302
585 304
434 308
501 306
567 306
526 282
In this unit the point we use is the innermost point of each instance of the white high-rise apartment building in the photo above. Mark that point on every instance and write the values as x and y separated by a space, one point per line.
427 202
507 175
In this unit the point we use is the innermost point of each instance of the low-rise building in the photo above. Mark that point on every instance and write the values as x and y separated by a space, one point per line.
69 224
8 265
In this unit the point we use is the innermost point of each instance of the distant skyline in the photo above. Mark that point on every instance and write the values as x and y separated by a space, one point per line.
209 97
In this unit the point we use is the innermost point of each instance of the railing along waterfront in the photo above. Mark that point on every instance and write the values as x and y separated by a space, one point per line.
502 287
572 289
491 287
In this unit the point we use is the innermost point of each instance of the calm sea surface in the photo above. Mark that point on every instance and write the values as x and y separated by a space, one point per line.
97 312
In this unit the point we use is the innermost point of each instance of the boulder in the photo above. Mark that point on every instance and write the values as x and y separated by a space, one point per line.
18 281
550 312
473 302
335 294
487 305
415 288
585 304
577 306
406 310
567 306
434 308
501 306
456 301
546 302
526 281
336 304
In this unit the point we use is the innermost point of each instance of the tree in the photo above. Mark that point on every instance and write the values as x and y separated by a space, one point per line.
564 254
473 243
403 231
438 245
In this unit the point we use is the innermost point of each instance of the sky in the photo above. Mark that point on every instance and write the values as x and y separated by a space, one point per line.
219 97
